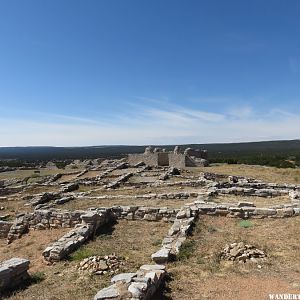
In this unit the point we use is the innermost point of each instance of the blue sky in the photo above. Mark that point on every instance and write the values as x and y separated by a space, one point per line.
148 72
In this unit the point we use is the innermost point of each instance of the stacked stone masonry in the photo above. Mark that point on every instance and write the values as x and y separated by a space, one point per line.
91 222
5 228
133 286
13 273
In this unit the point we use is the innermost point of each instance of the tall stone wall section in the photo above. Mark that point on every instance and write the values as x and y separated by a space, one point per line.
177 160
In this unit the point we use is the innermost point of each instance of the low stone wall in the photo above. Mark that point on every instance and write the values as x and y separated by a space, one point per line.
247 210
119 180
54 218
140 285
144 213
43 219
4 228
177 234
248 192
180 195
91 222
13 273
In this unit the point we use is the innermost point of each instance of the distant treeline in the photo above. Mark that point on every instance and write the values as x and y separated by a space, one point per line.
280 154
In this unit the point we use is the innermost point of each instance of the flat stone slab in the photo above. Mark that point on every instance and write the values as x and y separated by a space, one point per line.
152 267
161 256
110 292
126 277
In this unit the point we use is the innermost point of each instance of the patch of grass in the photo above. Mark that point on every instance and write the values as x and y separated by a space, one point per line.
35 175
245 224
200 260
211 229
37 277
104 237
157 243
81 254
186 250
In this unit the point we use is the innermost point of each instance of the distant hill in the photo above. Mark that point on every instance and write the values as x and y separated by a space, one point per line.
265 153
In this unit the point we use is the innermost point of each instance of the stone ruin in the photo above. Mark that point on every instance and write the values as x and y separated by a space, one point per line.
243 253
13 273
160 157
84 224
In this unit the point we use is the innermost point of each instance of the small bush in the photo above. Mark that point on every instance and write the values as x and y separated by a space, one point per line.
37 277
186 250
245 224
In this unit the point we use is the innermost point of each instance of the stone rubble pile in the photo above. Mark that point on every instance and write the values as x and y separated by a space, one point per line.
170 172
133 286
242 252
13 272
101 264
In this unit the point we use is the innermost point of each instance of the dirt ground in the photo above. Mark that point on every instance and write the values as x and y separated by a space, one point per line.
204 276
84 203
62 280
199 275
264 173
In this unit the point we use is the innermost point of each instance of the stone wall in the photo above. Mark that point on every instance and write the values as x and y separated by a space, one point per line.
177 234
150 159
144 213
4 228
43 219
177 160
247 210
13 273
91 222
140 285
163 158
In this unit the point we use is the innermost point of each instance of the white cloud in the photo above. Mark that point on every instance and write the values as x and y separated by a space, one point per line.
153 125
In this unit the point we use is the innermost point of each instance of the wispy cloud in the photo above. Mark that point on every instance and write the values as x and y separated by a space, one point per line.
153 124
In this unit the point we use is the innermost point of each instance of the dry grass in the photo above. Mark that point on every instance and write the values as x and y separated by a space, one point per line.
203 276
31 246
267 174
26 173
84 203
62 280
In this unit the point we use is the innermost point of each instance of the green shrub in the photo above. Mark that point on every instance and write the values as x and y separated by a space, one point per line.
245 224
37 277
186 250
